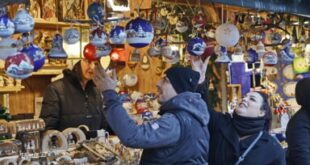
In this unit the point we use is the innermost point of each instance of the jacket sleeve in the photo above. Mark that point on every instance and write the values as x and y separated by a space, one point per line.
214 116
50 108
162 132
298 139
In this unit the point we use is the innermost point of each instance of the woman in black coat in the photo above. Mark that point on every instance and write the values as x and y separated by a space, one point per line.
231 135
298 129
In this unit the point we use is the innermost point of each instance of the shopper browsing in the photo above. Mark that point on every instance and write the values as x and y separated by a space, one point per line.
179 136
243 137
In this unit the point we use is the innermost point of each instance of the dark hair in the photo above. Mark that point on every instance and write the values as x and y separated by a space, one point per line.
266 108
77 70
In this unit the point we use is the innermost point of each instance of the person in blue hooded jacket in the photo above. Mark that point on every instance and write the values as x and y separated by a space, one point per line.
179 136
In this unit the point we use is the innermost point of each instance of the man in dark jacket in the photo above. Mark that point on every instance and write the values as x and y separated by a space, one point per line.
298 129
73 101
179 136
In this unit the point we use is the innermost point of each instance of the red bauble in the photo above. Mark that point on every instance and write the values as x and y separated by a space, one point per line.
89 52
209 51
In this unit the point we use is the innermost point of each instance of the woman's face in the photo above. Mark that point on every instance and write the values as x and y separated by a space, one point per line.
250 105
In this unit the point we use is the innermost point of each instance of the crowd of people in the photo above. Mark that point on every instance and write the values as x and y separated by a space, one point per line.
188 131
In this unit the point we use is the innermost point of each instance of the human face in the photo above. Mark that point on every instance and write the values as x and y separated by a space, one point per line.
250 105
88 69
165 90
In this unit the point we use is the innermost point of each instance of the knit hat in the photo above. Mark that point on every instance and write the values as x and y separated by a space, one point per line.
183 79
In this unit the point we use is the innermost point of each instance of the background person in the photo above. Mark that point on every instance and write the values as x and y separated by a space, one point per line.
298 128
73 100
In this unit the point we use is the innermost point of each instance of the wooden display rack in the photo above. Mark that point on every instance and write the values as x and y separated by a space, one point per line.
50 69
7 89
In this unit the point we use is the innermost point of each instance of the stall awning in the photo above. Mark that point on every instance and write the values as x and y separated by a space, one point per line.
301 7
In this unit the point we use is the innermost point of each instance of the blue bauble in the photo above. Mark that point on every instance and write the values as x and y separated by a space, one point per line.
103 50
196 46
95 12
140 33
252 56
36 54
72 36
57 51
23 21
7 27
118 35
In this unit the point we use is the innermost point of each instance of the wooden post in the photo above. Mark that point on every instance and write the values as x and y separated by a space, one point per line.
223 83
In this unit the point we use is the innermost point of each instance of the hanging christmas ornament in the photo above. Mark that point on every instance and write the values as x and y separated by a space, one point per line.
103 50
140 33
174 57
210 34
199 20
7 27
238 54
252 56
118 35
222 57
276 38
160 43
256 37
36 54
71 36
155 49
287 53
23 21
8 47
118 54
27 38
209 51
300 65
145 63
270 58
57 51
159 23
19 66
95 12
98 37
89 52
196 46
166 51
130 79
227 35
182 25
260 49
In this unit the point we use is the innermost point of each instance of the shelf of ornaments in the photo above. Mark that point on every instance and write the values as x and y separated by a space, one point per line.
8 84
7 89
47 69
41 23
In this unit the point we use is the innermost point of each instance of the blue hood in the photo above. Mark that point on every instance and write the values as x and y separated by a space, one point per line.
191 103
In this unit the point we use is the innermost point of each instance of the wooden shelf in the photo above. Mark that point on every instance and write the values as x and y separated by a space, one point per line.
41 23
7 89
49 69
